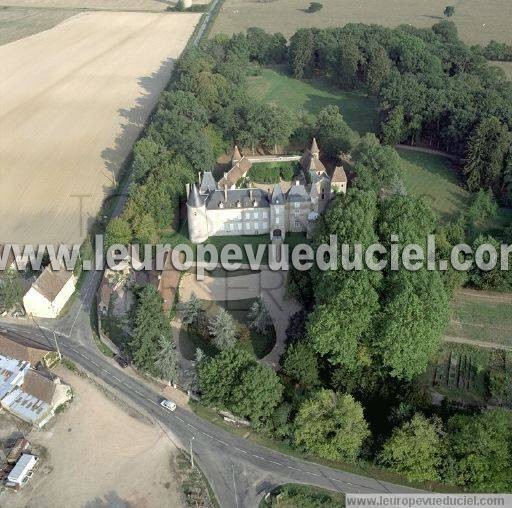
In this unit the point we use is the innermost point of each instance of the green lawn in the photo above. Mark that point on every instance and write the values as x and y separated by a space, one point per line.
275 85
435 179
305 496
258 344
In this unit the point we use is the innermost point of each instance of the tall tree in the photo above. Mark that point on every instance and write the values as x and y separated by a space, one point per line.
480 449
191 310
150 327
301 54
333 133
415 449
167 362
331 425
487 147
301 364
222 327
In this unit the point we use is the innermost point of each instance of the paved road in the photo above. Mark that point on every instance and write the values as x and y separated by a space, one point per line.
239 471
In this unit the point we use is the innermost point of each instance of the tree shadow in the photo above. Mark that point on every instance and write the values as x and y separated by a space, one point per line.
431 16
110 500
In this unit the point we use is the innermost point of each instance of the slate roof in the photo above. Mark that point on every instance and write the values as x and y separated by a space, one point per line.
50 282
297 193
235 195
277 196
207 183
194 198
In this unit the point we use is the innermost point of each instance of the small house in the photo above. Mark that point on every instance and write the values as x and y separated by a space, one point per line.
49 293
21 471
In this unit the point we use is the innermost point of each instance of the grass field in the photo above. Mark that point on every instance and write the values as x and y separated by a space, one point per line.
481 316
506 66
258 344
18 23
73 100
310 96
434 178
476 24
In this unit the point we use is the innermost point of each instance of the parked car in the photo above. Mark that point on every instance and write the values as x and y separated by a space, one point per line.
122 361
168 404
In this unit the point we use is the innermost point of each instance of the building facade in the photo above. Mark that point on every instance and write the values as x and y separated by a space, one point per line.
222 209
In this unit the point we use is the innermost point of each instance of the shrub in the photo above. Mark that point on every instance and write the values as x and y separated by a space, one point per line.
314 7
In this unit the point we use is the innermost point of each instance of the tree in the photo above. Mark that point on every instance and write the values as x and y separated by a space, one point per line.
11 289
302 46
333 133
485 157
150 327
314 7
118 231
234 380
415 449
223 329
393 129
480 451
331 425
167 363
191 310
277 124
345 61
301 364
259 318
449 11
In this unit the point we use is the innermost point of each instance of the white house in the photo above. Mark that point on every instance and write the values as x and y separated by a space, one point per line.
49 293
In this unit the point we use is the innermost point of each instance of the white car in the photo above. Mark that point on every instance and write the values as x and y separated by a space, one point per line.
168 404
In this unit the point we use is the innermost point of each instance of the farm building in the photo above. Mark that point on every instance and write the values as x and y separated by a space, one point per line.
24 392
49 293
21 470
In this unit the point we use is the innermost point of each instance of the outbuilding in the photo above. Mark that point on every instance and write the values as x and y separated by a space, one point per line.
22 469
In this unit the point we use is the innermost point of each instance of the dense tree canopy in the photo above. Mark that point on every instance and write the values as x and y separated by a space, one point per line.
331 425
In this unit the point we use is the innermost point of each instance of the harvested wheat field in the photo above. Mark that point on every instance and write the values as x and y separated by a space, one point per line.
95 5
73 100
477 21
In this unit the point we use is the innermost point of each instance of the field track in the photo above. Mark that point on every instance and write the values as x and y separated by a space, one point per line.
73 100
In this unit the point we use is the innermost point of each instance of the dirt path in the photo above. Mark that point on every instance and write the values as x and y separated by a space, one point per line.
485 295
432 151
270 285
477 343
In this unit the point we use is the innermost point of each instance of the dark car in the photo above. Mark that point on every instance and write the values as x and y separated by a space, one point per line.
122 361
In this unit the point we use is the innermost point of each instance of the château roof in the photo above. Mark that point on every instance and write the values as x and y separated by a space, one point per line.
194 198
314 147
339 175
236 155
207 183
235 173
217 199
277 195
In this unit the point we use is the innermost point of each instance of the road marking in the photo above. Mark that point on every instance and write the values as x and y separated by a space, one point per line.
257 456
206 434
312 474
294 468
180 419
191 426
105 371
94 363
240 450
274 462
117 379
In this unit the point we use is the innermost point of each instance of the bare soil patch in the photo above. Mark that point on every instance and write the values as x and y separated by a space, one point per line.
73 100
477 22
98 455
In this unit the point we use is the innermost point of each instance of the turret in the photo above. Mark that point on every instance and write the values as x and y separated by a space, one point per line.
237 157
196 214
315 152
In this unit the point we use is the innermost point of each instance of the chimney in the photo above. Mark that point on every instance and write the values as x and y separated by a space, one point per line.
187 188
297 182
226 193
199 178
250 191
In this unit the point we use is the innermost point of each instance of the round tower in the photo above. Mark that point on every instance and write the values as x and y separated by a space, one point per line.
196 214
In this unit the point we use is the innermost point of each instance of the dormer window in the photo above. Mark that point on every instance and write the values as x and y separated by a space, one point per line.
238 204
221 205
